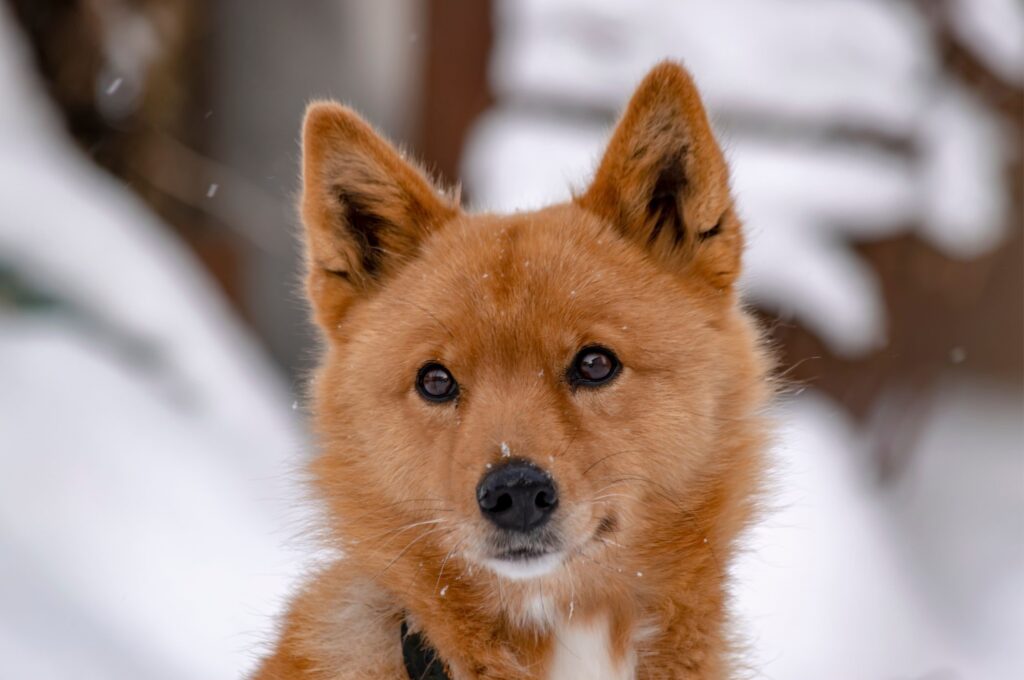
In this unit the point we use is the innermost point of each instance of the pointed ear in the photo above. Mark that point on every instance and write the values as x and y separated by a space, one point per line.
664 184
366 210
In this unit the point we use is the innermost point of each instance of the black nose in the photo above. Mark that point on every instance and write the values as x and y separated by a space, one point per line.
517 496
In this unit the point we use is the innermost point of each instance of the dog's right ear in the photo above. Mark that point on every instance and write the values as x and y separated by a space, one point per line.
366 210
663 182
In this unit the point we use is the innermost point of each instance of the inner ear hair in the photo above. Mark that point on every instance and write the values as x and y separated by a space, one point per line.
665 203
364 227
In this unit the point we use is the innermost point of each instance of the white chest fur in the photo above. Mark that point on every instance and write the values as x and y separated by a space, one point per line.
582 651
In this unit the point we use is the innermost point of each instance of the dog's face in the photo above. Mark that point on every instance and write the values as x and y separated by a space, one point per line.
519 389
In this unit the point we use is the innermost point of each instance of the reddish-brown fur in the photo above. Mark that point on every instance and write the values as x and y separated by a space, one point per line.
670 452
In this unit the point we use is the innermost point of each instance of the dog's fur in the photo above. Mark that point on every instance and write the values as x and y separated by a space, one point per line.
657 471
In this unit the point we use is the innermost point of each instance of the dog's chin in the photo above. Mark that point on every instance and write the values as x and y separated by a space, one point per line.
525 566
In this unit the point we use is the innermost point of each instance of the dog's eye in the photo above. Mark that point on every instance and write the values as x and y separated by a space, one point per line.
434 382
594 366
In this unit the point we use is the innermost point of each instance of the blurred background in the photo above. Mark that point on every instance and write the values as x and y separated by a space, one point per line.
153 343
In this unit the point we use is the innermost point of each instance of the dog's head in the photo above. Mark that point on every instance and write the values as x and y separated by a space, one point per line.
518 389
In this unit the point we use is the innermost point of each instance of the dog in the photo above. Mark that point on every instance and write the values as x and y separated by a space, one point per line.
540 434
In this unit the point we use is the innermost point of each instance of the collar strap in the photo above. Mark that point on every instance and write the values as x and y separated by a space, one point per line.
421 662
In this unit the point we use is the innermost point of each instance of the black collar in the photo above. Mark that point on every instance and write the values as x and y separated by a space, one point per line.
421 662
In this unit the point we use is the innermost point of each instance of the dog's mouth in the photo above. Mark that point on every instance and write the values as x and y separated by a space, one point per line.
525 563
523 556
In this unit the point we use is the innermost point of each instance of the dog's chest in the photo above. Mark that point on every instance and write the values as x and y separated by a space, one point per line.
583 651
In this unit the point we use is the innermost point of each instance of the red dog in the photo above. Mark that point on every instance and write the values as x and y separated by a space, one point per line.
541 433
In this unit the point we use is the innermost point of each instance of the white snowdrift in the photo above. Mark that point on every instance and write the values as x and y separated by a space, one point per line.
845 581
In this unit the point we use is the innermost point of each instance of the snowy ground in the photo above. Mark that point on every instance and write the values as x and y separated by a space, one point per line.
142 536
847 581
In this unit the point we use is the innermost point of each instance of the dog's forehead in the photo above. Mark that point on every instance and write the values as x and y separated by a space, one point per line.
531 264
559 241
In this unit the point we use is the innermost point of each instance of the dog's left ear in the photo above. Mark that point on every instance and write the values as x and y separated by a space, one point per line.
664 184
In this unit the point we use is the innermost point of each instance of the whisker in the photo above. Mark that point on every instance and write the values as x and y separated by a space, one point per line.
609 495
408 547
602 565
609 541
403 529
603 459
608 486
444 562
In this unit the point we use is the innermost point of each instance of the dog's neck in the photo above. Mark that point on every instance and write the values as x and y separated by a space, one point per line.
583 650
600 623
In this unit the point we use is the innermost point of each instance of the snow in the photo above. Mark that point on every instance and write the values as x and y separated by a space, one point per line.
960 510
963 160
847 581
809 60
129 514
114 86
804 204
994 30
146 445
821 570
